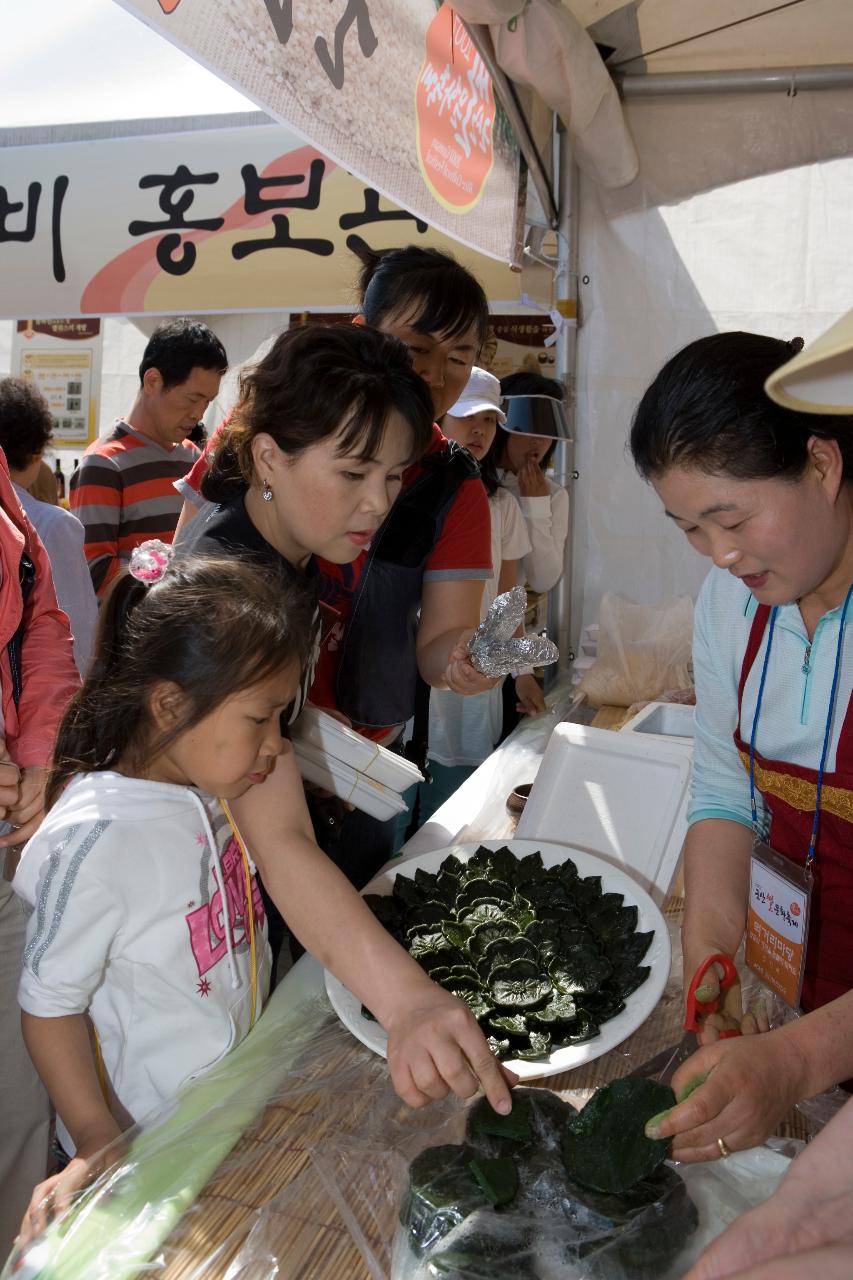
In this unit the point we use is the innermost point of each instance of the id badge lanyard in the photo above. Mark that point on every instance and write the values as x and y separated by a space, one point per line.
779 890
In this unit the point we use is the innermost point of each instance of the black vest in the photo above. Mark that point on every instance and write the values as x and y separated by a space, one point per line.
377 669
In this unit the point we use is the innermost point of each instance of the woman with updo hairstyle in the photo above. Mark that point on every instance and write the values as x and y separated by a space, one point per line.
767 494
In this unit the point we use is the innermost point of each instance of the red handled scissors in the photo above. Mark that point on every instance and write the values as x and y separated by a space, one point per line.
694 1006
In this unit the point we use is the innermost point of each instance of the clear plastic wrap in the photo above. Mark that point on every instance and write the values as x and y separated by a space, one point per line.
288 1161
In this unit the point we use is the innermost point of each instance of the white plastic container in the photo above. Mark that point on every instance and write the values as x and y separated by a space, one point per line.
327 735
670 720
347 783
622 796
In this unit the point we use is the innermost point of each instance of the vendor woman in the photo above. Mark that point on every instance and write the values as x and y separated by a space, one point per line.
767 494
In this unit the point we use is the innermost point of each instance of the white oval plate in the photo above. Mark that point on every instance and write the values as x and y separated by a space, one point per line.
638 1005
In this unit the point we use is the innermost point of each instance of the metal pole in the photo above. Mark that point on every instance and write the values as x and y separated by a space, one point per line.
566 281
787 80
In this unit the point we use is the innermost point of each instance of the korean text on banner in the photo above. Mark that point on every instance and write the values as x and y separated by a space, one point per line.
392 90
213 220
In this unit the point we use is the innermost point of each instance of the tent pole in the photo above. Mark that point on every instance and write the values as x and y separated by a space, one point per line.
788 80
566 298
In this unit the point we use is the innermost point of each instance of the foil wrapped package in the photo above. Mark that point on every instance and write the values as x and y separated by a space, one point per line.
494 648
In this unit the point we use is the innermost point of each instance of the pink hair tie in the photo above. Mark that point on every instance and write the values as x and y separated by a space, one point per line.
150 560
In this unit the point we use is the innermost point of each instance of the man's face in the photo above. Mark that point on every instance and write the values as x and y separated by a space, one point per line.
173 412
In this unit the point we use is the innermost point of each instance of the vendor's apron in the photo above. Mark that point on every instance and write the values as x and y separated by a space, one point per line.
789 792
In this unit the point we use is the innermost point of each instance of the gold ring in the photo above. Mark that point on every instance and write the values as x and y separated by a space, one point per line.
725 1150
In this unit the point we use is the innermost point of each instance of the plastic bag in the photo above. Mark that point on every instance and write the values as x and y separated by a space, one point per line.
643 650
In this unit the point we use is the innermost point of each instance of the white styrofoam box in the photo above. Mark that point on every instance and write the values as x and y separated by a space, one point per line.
347 783
323 732
620 795
671 720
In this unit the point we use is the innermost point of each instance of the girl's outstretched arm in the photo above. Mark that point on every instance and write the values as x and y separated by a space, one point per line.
62 1053
434 1043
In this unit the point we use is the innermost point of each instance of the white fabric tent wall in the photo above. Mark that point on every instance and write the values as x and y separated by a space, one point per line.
769 255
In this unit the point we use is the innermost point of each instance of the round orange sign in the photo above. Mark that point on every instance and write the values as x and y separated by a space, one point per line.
455 107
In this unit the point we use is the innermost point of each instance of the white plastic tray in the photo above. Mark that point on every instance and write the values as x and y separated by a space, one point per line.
621 796
347 783
327 735
638 1005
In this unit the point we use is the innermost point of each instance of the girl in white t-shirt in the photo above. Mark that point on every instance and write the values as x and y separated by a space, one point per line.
464 731
147 957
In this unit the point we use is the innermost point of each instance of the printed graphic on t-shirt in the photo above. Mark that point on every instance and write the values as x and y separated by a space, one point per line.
207 922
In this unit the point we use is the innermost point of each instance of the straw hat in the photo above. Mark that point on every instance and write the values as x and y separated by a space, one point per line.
819 379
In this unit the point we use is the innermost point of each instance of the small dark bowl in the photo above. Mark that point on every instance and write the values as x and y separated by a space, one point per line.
517 799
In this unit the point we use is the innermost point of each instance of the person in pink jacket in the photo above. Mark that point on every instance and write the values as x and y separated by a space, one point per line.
37 678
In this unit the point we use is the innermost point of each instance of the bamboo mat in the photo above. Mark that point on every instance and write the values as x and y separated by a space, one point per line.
271 1168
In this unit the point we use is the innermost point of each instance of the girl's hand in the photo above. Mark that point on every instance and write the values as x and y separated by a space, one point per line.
461 676
737 1090
28 810
436 1047
528 691
51 1200
10 781
531 479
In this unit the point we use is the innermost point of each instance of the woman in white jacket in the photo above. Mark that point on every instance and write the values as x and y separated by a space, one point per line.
521 458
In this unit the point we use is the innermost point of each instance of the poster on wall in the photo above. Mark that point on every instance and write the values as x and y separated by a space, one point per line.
218 220
63 359
392 90
520 342
514 343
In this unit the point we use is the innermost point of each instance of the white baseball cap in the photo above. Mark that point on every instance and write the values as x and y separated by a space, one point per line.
482 393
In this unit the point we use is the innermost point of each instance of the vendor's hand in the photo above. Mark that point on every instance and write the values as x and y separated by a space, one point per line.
28 810
730 1016
435 1047
737 1090
808 1221
530 698
832 1263
531 479
460 674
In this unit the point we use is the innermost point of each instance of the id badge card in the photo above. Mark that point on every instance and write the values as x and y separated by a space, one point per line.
777 922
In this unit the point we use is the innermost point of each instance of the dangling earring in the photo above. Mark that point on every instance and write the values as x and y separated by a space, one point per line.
267 494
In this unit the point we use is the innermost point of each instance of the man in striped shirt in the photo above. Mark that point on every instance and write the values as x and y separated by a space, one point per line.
123 490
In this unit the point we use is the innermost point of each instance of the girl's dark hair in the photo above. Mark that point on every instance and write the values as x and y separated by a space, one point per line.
435 292
212 626
520 383
315 381
26 422
707 409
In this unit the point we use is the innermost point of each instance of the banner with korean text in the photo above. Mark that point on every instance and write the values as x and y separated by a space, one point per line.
241 219
392 90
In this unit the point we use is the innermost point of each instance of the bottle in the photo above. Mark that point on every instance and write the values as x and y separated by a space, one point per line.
60 480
